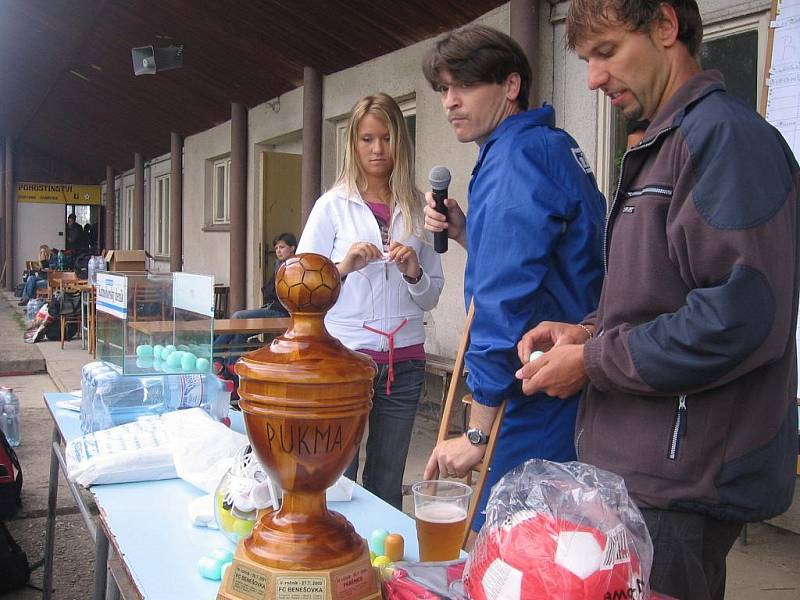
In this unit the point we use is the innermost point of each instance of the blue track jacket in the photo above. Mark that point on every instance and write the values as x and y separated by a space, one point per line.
535 230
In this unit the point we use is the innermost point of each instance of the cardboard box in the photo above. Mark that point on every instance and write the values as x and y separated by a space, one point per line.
127 260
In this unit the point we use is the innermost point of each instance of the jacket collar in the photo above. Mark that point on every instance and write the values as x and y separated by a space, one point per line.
698 87
544 116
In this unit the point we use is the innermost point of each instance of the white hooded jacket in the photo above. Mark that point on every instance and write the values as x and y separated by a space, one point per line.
376 295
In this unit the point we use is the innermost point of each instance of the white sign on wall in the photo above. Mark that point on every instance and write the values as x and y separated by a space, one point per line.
194 293
112 295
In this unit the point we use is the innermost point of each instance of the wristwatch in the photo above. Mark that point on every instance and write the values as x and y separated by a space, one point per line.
413 280
477 437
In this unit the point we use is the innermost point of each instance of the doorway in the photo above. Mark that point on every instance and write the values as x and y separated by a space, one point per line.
85 215
280 185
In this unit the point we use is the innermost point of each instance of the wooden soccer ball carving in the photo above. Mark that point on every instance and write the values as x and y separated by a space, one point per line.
308 283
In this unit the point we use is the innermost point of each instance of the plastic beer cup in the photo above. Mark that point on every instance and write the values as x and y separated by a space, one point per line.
440 510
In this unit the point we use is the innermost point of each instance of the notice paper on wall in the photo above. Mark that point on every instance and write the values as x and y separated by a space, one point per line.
783 82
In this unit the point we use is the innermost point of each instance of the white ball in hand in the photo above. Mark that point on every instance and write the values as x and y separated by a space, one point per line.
535 354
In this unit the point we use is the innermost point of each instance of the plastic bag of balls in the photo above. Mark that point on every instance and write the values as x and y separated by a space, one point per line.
560 530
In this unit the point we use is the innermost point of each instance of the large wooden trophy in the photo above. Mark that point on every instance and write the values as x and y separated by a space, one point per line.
305 399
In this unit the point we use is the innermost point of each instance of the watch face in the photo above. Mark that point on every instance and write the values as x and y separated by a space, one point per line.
476 437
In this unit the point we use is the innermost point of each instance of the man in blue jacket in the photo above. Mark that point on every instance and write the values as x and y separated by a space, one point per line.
534 246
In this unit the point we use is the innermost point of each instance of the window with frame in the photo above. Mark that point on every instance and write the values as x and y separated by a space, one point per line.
736 47
161 208
409 109
128 237
221 192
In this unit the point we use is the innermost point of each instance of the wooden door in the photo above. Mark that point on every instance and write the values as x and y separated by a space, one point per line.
281 201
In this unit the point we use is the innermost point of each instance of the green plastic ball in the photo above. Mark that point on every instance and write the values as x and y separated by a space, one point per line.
174 360
144 351
188 361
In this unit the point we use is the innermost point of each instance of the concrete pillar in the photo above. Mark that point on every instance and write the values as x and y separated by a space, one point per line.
137 243
2 203
176 203
8 220
238 208
311 181
111 210
524 16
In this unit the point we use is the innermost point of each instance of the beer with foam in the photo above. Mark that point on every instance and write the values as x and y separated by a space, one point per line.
440 508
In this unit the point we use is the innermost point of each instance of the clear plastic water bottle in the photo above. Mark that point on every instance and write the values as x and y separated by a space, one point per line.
109 398
61 260
90 267
10 417
95 266
99 267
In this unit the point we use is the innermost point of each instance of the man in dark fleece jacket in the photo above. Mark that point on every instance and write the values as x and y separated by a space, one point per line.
691 369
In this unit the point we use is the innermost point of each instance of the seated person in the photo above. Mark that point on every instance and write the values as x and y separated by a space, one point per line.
37 280
285 245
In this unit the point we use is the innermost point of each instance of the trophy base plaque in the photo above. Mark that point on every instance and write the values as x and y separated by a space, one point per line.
246 579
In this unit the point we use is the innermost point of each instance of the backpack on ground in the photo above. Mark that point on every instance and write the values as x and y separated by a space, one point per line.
10 480
14 567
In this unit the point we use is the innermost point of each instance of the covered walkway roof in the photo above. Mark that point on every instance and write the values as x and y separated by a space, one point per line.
68 88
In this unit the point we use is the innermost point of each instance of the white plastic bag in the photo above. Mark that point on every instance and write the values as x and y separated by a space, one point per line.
341 491
202 448
137 451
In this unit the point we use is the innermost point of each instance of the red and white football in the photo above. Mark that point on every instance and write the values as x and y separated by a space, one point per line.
533 556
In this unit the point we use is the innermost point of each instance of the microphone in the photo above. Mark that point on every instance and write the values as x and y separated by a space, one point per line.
439 179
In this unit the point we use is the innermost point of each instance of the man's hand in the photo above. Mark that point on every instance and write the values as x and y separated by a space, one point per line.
406 259
547 335
455 223
453 458
558 372
357 257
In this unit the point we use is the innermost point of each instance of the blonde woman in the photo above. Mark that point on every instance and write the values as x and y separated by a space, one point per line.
38 279
371 224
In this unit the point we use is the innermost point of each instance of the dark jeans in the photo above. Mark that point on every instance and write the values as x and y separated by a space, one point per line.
391 422
689 552
230 339
31 285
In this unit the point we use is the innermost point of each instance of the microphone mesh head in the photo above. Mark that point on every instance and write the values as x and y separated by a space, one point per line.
439 178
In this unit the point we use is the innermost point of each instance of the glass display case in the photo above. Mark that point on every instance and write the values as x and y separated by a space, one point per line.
154 323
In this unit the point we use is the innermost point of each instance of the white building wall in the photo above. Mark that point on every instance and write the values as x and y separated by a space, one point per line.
35 224
204 251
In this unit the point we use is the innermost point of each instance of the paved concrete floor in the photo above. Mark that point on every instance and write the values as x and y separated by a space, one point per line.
767 567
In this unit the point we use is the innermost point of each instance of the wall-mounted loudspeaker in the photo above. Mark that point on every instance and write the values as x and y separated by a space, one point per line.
148 60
